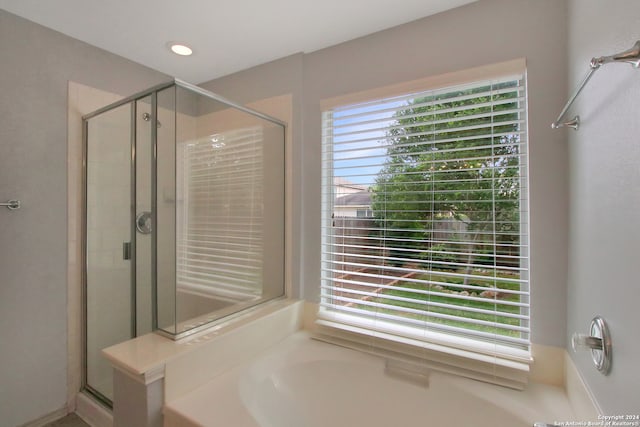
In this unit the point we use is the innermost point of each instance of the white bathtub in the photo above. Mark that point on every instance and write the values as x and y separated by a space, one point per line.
306 383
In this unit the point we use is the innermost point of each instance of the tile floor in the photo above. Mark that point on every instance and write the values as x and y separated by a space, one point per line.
71 420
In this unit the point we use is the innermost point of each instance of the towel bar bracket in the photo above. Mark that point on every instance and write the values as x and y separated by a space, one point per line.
630 56
11 204
573 124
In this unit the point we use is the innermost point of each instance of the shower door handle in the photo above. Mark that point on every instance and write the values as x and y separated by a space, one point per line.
126 251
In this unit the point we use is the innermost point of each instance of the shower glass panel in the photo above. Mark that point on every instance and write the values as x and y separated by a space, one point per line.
109 302
184 217
220 210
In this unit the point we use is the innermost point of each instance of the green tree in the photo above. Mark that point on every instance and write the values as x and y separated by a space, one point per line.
452 157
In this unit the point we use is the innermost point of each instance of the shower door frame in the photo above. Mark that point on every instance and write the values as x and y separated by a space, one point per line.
132 100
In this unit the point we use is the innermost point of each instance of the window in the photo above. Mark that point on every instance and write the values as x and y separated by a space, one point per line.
443 257
220 223
364 213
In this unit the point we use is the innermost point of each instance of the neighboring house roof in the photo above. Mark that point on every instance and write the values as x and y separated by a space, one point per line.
361 198
345 183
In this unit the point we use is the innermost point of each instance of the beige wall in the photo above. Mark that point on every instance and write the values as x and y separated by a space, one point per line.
604 238
37 64
485 32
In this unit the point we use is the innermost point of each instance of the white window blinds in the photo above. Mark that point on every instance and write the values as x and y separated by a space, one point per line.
444 252
220 226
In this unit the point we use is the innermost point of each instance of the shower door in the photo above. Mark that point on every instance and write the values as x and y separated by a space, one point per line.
118 241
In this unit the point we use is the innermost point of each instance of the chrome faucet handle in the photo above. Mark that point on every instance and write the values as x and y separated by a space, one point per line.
598 341
143 222
582 341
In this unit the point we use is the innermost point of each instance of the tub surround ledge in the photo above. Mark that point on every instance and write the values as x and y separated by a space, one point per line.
151 369
145 357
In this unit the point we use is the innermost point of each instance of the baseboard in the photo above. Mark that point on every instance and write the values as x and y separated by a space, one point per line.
49 418
92 412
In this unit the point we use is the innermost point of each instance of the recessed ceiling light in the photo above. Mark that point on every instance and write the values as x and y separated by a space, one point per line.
180 49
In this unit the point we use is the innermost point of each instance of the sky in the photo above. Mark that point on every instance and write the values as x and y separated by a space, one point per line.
358 132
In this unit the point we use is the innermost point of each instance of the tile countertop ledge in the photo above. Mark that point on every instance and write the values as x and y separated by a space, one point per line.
144 358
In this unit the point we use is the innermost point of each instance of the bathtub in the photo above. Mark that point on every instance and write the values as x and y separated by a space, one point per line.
301 382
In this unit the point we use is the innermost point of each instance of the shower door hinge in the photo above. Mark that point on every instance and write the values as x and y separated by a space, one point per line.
126 250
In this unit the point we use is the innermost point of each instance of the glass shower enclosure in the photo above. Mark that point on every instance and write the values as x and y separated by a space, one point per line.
184 217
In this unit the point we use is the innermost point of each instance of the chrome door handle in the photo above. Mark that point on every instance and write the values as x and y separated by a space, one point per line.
126 251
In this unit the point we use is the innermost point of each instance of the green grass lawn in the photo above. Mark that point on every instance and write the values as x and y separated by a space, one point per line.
486 303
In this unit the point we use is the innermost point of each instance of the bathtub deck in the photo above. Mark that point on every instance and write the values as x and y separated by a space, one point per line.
300 382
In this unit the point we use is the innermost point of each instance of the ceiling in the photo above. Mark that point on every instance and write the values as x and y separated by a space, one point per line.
226 36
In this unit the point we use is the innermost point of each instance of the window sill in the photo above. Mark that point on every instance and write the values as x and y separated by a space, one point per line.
487 362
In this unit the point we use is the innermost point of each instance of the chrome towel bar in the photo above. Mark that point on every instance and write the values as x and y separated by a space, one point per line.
11 204
631 56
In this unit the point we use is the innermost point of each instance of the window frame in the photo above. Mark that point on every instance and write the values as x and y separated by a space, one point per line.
384 336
